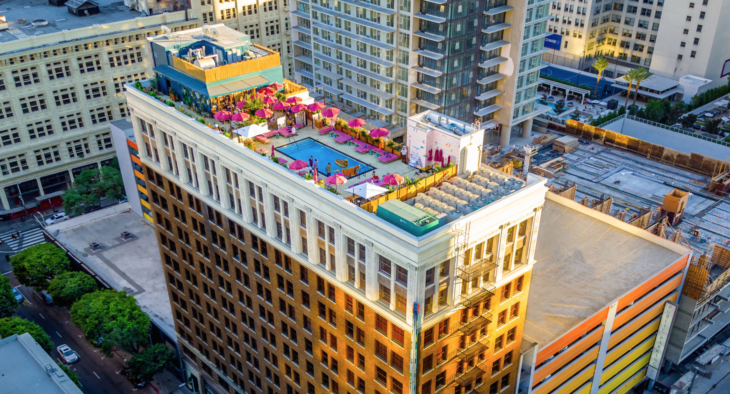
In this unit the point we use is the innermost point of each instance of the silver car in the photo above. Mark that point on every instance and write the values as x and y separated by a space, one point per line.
56 218
67 355
18 296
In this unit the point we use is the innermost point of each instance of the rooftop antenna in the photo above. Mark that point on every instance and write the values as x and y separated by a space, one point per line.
526 165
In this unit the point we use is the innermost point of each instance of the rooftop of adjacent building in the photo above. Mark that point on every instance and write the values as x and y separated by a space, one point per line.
27 368
584 260
132 265
126 127
218 35
28 18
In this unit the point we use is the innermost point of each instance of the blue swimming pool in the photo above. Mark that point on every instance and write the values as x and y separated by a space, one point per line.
302 150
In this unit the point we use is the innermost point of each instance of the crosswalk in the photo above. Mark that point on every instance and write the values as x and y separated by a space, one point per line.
27 239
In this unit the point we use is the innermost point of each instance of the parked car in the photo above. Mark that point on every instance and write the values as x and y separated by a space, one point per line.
56 218
92 208
699 127
43 295
136 380
67 354
18 296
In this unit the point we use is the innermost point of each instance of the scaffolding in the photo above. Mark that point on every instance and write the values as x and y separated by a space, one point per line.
700 285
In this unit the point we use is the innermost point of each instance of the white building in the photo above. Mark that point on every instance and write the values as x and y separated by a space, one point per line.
469 60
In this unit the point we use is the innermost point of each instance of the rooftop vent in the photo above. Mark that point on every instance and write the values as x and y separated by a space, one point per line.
39 22
127 235
94 246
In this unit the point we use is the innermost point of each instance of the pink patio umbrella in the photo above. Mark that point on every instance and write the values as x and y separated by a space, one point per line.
294 100
314 107
240 117
355 123
298 165
330 112
273 154
315 175
379 132
276 85
298 108
393 179
336 179
430 154
267 90
281 106
264 113
269 100
241 104
222 116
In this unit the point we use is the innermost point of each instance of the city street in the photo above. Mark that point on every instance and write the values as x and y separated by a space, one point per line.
98 374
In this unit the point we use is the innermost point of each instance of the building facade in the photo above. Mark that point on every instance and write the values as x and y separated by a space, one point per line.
58 93
280 286
470 60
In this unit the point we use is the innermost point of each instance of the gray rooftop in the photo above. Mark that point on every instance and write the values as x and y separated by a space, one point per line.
227 38
23 364
655 82
58 18
126 126
584 260
133 265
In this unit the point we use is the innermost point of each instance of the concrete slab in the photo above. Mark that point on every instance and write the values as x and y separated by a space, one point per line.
133 265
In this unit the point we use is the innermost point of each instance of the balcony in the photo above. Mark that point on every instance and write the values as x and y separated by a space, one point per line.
429 36
428 54
493 62
494 45
478 268
475 324
426 88
487 110
491 78
430 18
469 352
489 29
498 10
428 71
425 104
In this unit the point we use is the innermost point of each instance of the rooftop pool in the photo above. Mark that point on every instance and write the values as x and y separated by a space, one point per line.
304 149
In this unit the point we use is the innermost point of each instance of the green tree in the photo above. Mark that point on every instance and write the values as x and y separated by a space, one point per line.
600 65
68 287
657 110
89 186
713 126
71 374
150 361
630 77
111 318
688 120
37 265
15 325
642 75
678 109
8 304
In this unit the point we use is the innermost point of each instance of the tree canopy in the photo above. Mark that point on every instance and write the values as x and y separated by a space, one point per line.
15 325
37 265
71 374
111 318
150 361
8 304
89 186
68 287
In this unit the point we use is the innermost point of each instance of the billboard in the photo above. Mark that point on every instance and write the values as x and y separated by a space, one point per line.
553 41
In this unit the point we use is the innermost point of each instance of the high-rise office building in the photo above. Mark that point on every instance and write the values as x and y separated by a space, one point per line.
390 59
281 286
54 61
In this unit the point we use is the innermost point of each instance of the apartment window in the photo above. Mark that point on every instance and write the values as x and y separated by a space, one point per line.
65 96
58 70
693 54
699 28
697 41
679 57
104 141
88 64
381 324
101 115
40 129
384 265
6 110
401 275
511 335
48 155
125 56
71 121
26 76
78 148
499 342
33 103
13 164
9 137
95 90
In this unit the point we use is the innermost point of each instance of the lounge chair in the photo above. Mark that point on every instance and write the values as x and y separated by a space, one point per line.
387 158
363 148
342 139
283 161
263 139
271 133
323 131
286 133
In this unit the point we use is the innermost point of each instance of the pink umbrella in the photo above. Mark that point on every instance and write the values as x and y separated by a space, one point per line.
264 113
448 161
222 116
298 165
357 122
336 179
430 154
294 100
276 85
267 90
298 108
330 112
272 151
315 175
393 179
379 132
268 100
241 104
314 107
240 117
281 106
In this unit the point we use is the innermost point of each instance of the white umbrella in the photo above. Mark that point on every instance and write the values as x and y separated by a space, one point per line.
707 114
366 190
722 103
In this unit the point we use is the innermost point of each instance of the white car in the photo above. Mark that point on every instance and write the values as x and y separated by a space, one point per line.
56 218
67 355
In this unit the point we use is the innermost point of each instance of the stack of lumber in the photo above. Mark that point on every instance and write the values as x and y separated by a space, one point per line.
544 140
565 144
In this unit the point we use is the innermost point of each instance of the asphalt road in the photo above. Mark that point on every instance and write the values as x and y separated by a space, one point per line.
98 374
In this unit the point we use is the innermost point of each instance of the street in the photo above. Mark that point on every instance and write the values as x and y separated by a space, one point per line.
98 374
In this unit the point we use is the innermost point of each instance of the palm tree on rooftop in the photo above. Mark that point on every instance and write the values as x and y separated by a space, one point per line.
630 77
600 65
642 75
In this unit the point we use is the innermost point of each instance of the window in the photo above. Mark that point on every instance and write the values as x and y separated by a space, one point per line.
13 164
101 115
699 28
104 141
71 121
26 76
6 110
58 70
693 54
9 137
95 90
514 310
33 103
499 342
47 155
65 96
401 275
381 324
519 283
511 335
88 64
78 148
40 129
384 265
125 56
